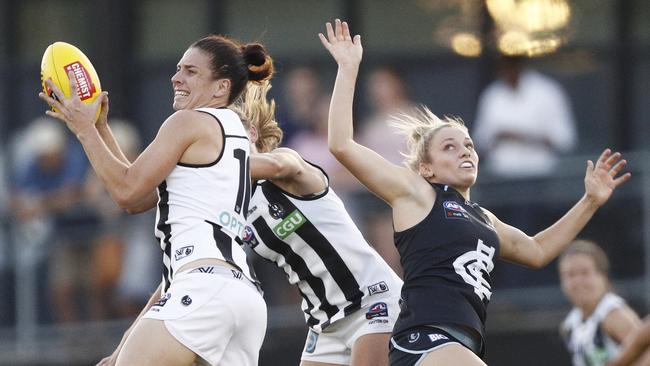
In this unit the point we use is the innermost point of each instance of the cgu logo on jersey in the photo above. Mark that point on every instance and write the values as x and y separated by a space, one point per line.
453 210
475 267
290 224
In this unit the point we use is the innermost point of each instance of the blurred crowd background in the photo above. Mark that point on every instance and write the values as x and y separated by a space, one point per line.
543 85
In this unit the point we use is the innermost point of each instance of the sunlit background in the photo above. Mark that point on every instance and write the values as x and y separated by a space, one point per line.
446 52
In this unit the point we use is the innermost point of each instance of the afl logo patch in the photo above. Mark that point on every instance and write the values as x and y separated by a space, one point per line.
276 210
249 237
376 310
453 210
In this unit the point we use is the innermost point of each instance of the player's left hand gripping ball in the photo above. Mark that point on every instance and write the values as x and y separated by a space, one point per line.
61 58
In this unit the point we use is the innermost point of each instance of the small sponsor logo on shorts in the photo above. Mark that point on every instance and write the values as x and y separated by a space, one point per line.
377 288
163 299
453 210
437 337
276 211
186 300
249 237
183 252
413 337
376 310
312 338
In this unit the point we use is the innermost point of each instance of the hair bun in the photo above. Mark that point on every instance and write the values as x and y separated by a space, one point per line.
260 64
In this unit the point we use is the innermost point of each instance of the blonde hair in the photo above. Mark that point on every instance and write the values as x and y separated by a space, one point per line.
419 127
254 109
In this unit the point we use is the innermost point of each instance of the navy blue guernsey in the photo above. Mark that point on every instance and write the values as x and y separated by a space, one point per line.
447 260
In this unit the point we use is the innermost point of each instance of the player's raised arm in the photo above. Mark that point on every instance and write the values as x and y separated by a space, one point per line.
385 179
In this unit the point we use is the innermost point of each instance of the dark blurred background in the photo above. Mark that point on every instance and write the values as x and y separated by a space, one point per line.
547 84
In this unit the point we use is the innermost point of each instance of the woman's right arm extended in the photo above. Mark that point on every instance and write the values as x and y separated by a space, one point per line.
387 180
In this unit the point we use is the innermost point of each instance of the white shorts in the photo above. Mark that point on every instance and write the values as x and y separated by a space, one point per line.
215 312
334 344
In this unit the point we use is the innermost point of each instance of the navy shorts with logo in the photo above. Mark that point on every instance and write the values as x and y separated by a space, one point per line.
410 347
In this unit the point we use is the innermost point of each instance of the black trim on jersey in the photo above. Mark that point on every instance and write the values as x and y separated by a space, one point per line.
166 229
223 145
298 265
323 248
223 242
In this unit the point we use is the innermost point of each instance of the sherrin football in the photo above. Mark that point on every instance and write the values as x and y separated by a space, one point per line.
58 60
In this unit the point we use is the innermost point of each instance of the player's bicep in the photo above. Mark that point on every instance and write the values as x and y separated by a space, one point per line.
380 176
620 322
156 162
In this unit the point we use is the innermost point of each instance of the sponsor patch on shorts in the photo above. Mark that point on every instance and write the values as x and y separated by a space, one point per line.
377 288
162 301
312 338
376 310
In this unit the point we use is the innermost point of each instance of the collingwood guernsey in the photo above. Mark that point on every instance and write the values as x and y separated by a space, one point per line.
315 242
201 207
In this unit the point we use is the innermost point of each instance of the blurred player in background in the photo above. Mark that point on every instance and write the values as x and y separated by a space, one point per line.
447 243
296 220
208 308
600 319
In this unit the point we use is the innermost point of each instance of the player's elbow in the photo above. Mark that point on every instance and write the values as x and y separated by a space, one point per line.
126 198
339 150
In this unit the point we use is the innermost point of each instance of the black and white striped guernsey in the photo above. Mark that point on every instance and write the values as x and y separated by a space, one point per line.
201 207
316 243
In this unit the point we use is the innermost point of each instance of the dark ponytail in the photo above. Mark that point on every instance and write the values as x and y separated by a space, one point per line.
260 64
235 62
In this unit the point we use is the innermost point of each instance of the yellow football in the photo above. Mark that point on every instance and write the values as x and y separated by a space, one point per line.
59 59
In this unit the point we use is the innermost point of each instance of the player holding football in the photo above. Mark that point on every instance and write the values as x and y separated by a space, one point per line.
208 308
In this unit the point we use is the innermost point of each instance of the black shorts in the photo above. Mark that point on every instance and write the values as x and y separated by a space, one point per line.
412 345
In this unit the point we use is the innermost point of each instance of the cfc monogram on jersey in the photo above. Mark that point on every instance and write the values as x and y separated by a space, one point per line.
315 242
449 255
201 207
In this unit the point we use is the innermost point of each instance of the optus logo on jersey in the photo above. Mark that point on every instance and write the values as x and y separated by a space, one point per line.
231 221
290 224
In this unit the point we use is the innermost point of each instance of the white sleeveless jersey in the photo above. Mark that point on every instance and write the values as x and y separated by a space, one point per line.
201 207
585 339
316 243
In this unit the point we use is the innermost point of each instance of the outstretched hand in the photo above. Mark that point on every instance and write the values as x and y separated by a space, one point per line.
346 50
601 178
71 110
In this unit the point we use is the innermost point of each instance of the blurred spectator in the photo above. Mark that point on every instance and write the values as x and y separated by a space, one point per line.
301 94
48 205
523 122
599 320
387 95
124 252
